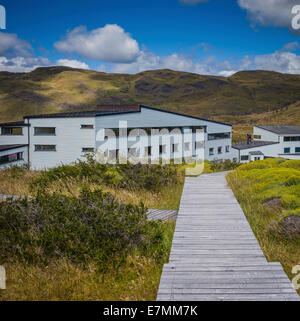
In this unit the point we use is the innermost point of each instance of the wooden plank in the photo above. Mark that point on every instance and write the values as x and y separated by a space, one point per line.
215 255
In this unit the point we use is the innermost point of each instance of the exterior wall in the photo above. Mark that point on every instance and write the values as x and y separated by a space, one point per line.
291 145
24 150
265 135
149 118
267 150
14 139
69 140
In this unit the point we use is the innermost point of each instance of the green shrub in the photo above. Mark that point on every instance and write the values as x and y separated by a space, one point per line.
139 176
217 166
93 227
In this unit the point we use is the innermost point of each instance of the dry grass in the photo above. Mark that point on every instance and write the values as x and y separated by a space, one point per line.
167 198
137 280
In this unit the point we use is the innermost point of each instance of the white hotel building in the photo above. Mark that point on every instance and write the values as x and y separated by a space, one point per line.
45 141
270 141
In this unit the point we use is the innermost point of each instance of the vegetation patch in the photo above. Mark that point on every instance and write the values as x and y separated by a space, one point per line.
88 220
269 193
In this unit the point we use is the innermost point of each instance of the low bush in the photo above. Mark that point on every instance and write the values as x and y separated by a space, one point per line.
95 227
130 176
217 166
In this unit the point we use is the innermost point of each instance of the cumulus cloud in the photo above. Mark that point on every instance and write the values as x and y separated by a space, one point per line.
22 64
72 63
12 46
175 61
110 44
227 73
285 62
269 12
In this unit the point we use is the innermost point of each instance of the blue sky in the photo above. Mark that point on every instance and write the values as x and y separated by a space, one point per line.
216 37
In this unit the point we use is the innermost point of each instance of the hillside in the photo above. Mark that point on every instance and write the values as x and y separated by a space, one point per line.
59 89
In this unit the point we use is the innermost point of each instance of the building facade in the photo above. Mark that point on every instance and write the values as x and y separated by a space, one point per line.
53 139
270 141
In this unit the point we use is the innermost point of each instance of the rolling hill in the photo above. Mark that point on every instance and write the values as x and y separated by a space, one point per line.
59 89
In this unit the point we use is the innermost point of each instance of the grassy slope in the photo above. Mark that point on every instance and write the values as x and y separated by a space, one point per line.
56 89
243 124
256 183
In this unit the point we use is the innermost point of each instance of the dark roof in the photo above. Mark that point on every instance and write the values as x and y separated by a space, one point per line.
256 153
103 110
8 147
15 124
282 129
253 144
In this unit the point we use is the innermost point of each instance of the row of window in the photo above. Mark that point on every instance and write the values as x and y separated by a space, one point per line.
52 148
51 131
216 136
11 158
162 148
291 138
287 150
219 150
38 131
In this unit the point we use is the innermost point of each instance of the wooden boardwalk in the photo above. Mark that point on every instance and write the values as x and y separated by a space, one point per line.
215 255
163 215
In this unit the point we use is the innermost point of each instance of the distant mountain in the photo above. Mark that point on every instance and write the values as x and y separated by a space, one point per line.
59 89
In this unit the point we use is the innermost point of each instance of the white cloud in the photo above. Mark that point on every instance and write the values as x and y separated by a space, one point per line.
227 73
285 62
22 64
12 46
72 63
110 44
150 61
269 12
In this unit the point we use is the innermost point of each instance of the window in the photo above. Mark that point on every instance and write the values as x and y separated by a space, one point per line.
256 158
291 138
132 152
211 151
257 136
186 146
45 148
227 149
44 131
245 157
174 148
11 131
287 150
194 129
162 149
235 159
199 145
11 158
220 150
148 151
87 149
297 149
218 136
87 126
